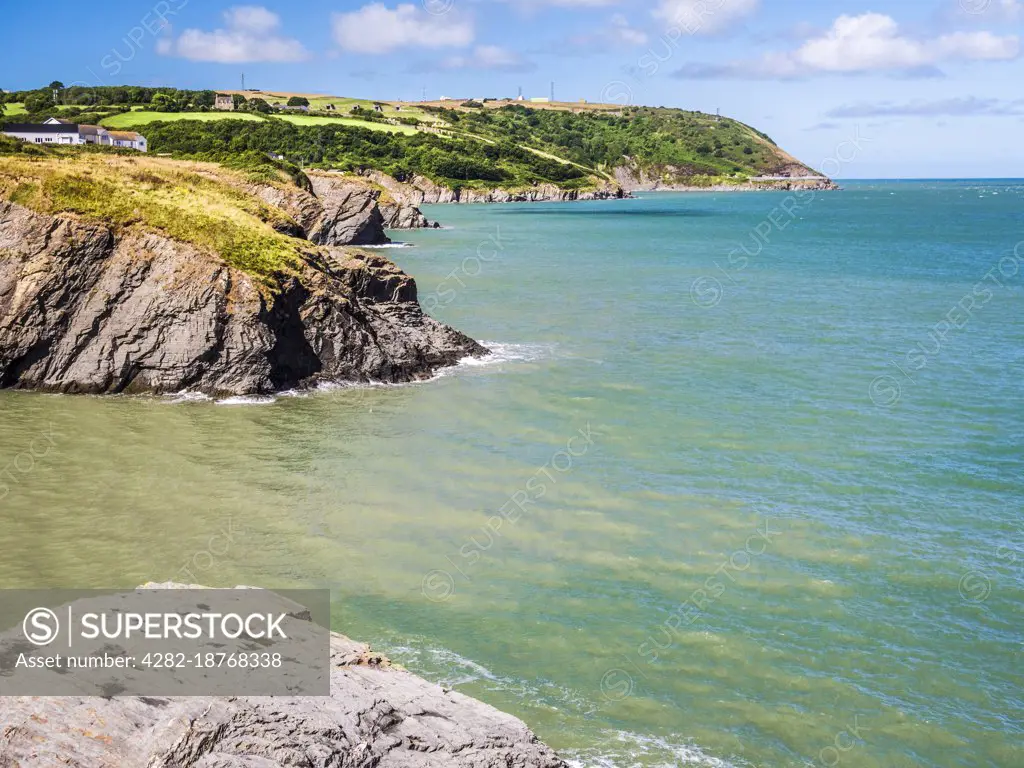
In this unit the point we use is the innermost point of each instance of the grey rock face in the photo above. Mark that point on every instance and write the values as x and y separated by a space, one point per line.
419 189
350 213
84 312
399 215
377 716
673 178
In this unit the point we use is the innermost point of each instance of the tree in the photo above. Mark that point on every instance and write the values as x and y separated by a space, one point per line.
259 105
56 85
239 100
163 102
298 101
37 102
204 99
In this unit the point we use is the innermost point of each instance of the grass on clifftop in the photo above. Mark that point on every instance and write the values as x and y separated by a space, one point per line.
202 204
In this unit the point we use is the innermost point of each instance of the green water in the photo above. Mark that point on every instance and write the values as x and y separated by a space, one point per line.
692 512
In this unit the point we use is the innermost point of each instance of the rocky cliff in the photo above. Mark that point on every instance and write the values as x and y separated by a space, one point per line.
91 307
669 178
417 190
339 209
377 716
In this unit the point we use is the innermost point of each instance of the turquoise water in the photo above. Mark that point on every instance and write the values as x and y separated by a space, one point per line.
714 501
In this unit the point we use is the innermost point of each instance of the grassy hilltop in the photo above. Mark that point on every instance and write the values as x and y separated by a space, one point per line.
206 205
459 144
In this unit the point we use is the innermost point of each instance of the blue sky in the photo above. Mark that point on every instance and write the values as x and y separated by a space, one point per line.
902 88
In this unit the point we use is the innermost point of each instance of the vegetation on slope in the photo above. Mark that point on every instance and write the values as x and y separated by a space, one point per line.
468 145
198 203
694 141
457 162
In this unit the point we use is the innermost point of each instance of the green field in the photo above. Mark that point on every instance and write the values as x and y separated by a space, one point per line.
344 105
136 119
314 120
14 109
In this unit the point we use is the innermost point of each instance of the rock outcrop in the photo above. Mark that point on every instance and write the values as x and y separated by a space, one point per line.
377 716
85 311
418 189
670 178
340 209
399 215
350 213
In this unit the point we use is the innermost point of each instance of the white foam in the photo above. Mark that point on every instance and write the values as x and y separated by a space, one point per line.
186 396
389 245
500 353
625 749
248 400
612 748
510 353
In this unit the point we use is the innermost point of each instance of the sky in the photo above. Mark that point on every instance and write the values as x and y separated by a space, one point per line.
859 89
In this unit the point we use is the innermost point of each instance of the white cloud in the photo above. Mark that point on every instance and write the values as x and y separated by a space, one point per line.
621 32
250 34
704 17
489 57
375 28
871 42
252 18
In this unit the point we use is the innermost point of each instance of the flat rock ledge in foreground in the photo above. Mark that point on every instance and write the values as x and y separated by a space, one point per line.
377 716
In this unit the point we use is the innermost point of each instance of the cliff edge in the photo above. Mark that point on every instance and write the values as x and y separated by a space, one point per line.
145 275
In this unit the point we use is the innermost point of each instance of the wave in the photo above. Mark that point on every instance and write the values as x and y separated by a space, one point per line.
389 245
610 748
510 353
626 749
248 400
500 353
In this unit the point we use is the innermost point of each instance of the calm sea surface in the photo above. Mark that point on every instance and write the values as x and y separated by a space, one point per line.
741 486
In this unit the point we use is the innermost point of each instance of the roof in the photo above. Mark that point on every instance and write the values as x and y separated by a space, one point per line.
39 128
124 135
91 130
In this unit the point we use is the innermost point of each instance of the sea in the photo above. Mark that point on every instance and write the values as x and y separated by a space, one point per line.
740 484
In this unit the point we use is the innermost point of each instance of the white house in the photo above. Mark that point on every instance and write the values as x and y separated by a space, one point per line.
47 133
129 139
55 131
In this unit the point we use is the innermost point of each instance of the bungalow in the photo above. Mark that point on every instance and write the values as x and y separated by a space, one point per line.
225 102
49 133
94 134
129 139
89 134
56 131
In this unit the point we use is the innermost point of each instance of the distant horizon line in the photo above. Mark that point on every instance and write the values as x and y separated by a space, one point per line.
928 178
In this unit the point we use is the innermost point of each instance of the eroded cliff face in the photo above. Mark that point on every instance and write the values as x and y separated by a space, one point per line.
340 209
419 189
675 178
83 310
